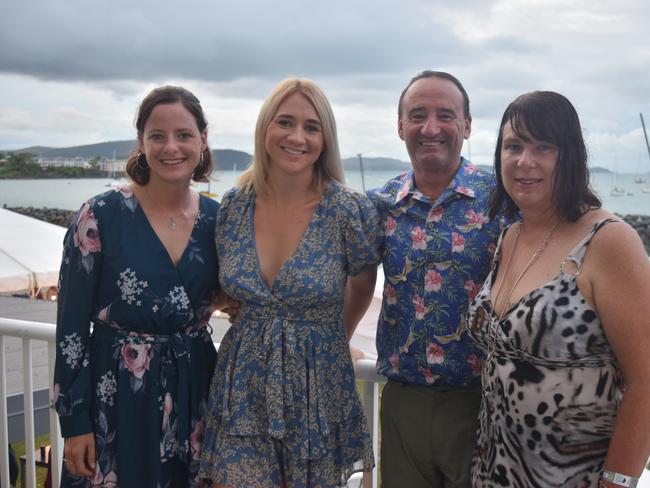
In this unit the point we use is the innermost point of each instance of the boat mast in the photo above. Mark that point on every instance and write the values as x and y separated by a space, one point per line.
363 179
647 145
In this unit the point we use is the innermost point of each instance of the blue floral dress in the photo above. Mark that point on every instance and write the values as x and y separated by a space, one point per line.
283 408
140 380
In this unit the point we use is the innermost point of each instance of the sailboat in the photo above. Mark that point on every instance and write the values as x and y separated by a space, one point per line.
645 189
617 191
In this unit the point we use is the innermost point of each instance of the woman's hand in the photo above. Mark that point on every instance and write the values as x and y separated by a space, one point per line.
79 455
225 304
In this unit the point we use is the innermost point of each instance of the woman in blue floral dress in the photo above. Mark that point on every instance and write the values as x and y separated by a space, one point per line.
299 251
138 263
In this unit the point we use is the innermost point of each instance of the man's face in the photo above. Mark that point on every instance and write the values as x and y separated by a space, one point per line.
433 125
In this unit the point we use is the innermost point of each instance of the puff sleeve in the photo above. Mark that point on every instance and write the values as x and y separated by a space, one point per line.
363 236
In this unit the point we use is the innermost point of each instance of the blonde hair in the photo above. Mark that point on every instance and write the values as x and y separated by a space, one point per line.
328 167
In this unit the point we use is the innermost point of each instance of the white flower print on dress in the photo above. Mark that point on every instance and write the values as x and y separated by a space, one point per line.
178 297
106 388
72 349
130 286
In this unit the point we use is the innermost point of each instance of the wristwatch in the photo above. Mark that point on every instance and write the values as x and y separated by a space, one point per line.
620 479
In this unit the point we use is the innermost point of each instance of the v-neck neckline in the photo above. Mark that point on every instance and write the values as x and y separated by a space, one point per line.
159 240
514 306
251 226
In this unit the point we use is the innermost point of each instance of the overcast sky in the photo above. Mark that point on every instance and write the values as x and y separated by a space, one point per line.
73 72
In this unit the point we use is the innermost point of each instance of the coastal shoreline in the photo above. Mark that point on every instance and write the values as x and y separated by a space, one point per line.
640 223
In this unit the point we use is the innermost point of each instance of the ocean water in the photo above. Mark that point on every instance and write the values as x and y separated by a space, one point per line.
70 193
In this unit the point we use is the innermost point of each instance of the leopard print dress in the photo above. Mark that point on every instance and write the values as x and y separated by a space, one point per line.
552 389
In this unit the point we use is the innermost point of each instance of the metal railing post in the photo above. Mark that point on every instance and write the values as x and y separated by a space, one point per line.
4 429
56 441
28 416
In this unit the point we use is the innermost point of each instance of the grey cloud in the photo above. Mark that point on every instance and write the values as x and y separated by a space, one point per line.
219 41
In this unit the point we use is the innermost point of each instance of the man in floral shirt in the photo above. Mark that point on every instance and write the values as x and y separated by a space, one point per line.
438 249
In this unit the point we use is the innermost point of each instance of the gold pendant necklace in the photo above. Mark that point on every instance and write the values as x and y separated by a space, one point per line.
495 320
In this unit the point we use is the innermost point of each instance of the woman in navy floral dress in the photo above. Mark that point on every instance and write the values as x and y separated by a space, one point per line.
299 251
138 263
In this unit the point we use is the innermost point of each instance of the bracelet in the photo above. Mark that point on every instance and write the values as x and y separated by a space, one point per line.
619 479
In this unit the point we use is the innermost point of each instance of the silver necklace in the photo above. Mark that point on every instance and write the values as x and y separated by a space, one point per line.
495 320
171 220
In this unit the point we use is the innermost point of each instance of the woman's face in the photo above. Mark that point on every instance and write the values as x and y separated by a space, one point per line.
528 169
172 143
294 138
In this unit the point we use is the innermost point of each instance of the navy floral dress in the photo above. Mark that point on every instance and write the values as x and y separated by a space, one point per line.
283 408
140 380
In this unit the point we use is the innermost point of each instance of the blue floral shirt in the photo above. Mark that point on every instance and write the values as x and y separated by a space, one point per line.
436 256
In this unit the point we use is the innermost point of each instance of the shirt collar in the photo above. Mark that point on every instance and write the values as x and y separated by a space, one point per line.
462 183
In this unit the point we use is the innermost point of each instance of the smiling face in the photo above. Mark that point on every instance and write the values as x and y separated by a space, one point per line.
528 169
294 138
433 125
172 143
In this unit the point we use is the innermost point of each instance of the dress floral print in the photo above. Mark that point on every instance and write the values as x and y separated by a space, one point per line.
139 381
283 407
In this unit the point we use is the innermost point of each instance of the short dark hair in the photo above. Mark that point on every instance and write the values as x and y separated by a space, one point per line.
139 171
549 117
435 74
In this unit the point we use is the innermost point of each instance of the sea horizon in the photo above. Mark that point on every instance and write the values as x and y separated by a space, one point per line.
69 194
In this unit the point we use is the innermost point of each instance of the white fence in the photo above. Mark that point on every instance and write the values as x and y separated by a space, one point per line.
38 331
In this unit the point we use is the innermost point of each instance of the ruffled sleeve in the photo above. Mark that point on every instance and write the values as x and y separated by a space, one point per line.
78 281
363 236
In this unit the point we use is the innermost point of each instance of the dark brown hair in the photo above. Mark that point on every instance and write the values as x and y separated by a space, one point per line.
136 166
549 117
435 74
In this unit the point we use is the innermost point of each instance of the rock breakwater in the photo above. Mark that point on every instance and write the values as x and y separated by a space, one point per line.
641 223
54 216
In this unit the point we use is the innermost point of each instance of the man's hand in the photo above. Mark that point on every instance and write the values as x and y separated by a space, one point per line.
356 355
225 304
231 308
79 455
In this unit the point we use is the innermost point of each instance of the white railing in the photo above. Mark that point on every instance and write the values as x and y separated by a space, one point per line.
39 331
29 332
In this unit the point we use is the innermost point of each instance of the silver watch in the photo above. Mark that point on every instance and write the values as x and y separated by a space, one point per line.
620 479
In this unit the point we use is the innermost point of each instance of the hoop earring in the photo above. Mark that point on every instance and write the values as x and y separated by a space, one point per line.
139 162
200 168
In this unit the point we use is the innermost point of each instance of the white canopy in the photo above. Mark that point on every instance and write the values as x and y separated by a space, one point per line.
30 253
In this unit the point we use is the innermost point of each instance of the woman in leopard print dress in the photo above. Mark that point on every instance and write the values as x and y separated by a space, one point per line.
561 317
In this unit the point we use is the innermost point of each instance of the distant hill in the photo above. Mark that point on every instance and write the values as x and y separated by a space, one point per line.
226 159
599 169
108 150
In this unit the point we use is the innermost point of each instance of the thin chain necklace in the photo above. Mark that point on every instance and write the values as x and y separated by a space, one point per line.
171 219
495 320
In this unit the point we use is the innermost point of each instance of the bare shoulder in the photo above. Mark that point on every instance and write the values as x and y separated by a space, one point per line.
616 245
615 236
